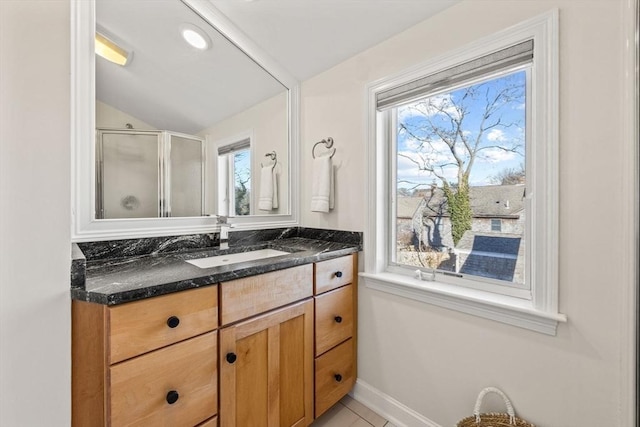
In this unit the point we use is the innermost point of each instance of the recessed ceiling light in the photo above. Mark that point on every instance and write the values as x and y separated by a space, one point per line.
195 36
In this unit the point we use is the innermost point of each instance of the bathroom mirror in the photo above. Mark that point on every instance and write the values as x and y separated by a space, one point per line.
178 133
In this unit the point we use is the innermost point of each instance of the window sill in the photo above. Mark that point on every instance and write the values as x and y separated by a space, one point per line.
510 310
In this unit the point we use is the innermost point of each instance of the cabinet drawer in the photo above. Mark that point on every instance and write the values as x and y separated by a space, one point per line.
334 318
146 325
211 422
333 273
142 388
334 376
247 297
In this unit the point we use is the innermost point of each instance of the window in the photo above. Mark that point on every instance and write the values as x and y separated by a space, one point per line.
468 143
456 150
234 178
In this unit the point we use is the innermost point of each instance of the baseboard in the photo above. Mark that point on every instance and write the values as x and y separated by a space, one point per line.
389 408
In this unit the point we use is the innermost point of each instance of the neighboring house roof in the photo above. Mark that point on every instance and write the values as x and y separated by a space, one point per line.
490 201
407 206
491 255
494 243
497 200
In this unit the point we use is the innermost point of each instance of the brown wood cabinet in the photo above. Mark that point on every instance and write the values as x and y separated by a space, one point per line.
173 386
335 330
243 298
266 369
164 373
211 422
335 375
284 353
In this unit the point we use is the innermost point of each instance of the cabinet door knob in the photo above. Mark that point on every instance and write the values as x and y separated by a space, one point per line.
338 319
172 397
338 377
231 358
338 274
173 321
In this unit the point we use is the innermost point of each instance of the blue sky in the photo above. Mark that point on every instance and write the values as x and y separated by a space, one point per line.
438 110
242 166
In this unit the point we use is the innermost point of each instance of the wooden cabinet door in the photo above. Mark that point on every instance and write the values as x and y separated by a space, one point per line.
266 369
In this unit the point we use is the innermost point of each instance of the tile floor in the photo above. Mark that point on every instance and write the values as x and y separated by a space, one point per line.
350 413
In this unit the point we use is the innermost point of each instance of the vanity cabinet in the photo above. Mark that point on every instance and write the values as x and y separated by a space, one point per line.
266 351
335 290
149 362
275 349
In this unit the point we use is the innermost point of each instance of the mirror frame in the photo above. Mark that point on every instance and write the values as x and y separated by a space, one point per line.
84 226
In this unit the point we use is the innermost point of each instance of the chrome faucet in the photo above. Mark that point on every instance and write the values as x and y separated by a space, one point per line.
224 231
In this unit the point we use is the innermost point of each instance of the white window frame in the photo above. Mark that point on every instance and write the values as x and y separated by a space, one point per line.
540 312
229 181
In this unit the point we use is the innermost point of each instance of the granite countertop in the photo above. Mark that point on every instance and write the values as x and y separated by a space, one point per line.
115 281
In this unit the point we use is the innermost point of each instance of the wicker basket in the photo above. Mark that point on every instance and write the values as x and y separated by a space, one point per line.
493 419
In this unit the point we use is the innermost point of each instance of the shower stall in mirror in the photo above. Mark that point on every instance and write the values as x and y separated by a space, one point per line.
149 173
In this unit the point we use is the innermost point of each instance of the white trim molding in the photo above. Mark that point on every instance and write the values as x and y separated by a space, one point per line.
539 310
501 308
389 408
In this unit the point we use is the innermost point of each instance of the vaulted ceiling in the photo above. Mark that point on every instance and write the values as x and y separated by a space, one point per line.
310 36
170 85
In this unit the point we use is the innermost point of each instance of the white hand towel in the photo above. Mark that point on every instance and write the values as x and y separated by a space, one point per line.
322 192
268 198
274 177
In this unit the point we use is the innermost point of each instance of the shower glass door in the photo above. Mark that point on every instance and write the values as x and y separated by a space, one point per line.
186 170
148 174
129 186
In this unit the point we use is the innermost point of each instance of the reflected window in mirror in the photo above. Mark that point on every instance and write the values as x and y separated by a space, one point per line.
234 178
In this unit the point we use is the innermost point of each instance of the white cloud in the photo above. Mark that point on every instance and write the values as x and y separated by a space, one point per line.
408 170
496 135
412 144
495 155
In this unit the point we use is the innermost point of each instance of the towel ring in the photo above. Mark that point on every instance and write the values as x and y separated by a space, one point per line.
328 144
273 157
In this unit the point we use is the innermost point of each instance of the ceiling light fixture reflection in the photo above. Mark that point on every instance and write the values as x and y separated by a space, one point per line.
110 51
195 36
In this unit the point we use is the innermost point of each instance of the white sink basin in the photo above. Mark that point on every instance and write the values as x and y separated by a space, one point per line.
217 261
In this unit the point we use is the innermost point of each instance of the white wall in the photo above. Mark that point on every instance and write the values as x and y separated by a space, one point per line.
435 361
268 123
110 117
35 321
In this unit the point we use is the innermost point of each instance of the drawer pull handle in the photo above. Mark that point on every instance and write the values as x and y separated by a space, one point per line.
338 319
338 377
173 322
231 358
338 274
172 397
